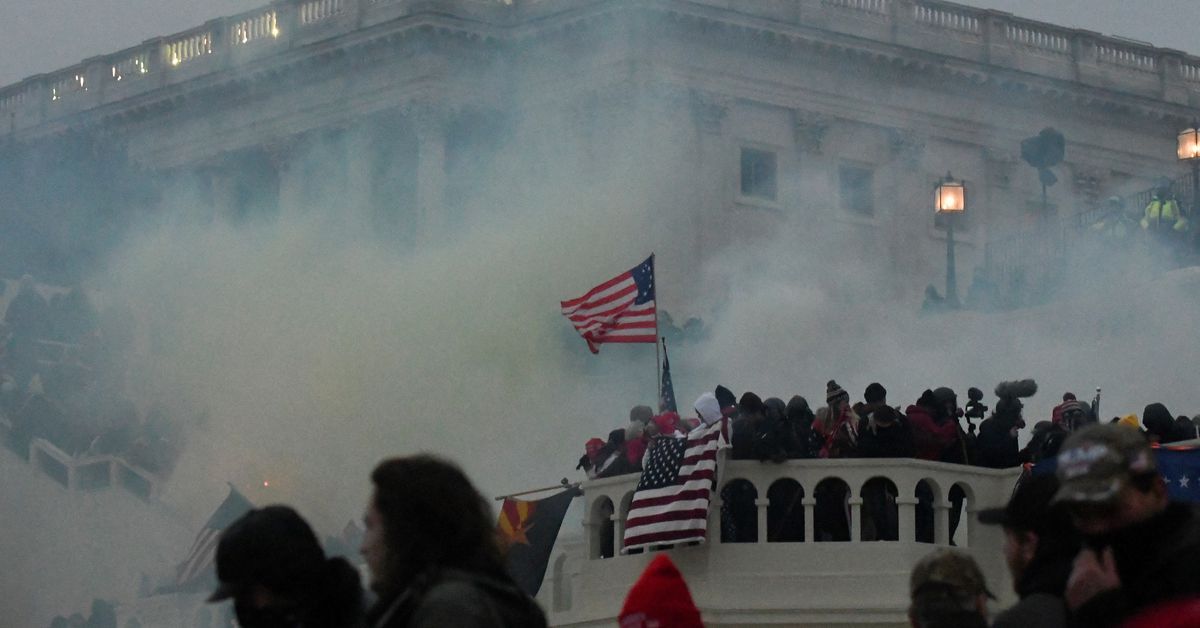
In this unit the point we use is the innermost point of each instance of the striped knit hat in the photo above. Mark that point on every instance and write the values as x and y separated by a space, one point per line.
834 392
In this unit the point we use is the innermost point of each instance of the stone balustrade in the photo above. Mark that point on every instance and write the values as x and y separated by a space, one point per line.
994 38
737 583
90 473
607 501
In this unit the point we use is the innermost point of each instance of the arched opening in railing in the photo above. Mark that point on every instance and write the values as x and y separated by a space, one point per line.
928 495
739 514
785 513
962 503
880 513
601 523
562 584
832 512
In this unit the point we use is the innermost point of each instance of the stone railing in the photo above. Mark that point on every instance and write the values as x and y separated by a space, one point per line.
739 582
910 482
989 37
90 473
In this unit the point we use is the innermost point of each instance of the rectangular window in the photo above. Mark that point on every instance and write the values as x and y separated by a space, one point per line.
857 190
758 174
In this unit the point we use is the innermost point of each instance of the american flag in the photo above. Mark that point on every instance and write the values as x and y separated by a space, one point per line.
670 504
204 548
619 310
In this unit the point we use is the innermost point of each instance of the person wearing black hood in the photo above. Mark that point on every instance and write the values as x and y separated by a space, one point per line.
270 563
1160 425
728 401
748 427
808 443
1039 547
997 442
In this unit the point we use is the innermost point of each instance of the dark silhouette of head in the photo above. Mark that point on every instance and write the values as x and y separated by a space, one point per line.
432 518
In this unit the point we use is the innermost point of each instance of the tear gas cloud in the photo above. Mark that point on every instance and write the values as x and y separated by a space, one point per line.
300 347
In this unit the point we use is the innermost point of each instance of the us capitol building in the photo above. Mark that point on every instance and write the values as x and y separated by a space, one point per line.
831 118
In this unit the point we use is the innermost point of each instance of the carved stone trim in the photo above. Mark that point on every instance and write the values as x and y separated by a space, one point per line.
809 130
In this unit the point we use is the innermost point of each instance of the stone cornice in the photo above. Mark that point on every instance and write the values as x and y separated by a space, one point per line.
986 49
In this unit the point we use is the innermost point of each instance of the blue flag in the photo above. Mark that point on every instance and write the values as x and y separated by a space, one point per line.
666 400
1180 469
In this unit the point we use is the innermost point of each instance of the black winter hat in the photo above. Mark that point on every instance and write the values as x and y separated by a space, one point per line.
273 547
1157 419
875 393
725 397
750 403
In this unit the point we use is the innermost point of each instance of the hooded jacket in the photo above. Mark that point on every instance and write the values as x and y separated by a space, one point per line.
930 438
458 598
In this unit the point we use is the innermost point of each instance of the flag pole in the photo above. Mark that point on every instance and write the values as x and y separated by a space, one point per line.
657 357
563 484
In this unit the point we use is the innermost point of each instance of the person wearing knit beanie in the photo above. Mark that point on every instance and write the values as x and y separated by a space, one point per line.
727 399
833 392
660 599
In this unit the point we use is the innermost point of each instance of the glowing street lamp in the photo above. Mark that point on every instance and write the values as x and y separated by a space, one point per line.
949 202
1188 149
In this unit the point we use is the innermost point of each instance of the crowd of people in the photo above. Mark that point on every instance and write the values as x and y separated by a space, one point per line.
63 379
1097 542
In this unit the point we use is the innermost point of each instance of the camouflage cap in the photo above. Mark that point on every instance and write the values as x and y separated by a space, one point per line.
948 571
1098 461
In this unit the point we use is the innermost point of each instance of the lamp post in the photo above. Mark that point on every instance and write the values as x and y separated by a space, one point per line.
950 201
1188 150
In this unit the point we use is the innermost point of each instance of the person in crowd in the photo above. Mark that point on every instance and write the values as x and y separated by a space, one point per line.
1047 439
808 442
1056 413
947 590
1184 429
1116 226
660 599
271 565
932 433
748 427
947 411
593 457
1140 548
885 435
779 438
837 424
432 552
708 409
1162 214
1160 425
997 443
614 462
873 397
728 401
1039 547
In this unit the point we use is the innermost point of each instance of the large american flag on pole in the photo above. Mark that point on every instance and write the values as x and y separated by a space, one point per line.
621 309
670 504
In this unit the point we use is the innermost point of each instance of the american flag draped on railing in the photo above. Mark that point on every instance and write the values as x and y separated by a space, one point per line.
621 309
670 504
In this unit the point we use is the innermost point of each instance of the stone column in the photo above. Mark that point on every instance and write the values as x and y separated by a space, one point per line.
761 504
907 511
856 504
592 534
714 519
429 125
810 524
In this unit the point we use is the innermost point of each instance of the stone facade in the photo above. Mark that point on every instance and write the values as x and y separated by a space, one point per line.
835 117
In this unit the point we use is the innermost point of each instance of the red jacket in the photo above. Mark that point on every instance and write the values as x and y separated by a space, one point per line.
929 438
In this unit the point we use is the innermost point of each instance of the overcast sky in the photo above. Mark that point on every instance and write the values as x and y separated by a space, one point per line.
39 36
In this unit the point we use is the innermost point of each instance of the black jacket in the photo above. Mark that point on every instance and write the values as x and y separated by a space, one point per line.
1158 560
996 446
893 441
461 599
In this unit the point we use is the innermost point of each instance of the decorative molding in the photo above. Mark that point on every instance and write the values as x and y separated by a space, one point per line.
709 111
1000 167
906 145
809 130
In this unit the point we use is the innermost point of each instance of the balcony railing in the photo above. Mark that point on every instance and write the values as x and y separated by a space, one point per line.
792 502
1072 54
